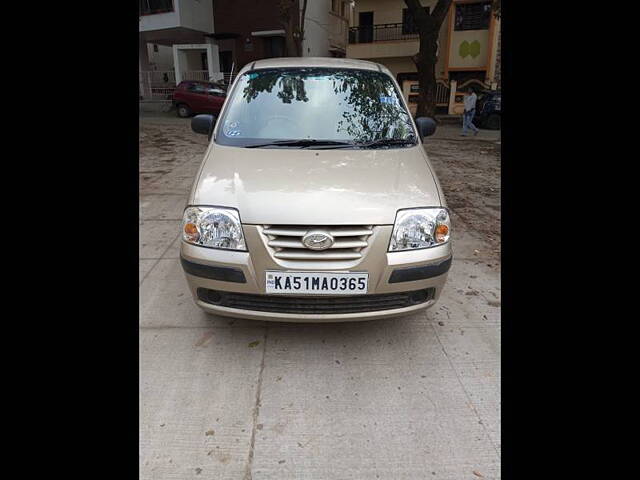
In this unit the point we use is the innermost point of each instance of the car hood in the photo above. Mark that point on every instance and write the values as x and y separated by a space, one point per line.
283 186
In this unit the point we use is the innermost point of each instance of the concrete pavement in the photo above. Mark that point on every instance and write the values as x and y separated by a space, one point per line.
409 398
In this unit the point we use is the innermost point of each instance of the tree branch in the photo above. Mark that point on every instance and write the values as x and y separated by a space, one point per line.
304 12
417 10
440 12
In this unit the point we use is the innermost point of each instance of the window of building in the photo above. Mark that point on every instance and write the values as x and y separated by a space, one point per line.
155 47
408 24
149 7
473 16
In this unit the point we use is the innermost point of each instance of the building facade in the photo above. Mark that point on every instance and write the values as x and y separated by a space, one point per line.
383 31
249 30
212 40
175 44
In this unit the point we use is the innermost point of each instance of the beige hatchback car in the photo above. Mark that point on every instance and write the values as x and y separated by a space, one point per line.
315 201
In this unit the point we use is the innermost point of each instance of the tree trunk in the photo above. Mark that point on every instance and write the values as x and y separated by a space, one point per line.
426 65
426 59
290 21
301 39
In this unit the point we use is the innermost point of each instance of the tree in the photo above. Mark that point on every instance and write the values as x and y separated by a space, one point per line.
426 58
292 20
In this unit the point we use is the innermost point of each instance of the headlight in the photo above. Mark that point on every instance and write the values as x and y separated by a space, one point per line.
213 227
420 228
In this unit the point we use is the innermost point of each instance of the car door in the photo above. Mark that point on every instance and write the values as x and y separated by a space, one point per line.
197 97
215 98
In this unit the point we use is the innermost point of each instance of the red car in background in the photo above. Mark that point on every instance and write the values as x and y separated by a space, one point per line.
193 96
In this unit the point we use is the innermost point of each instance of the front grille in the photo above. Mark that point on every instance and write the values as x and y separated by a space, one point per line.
315 305
286 242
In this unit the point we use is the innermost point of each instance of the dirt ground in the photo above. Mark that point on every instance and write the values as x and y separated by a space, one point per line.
469 171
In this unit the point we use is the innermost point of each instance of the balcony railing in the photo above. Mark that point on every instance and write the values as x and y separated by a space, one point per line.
381 32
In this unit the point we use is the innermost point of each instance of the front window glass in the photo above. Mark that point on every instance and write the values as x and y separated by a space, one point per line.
197 88
317 104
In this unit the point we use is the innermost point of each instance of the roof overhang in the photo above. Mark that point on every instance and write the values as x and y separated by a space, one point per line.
269 33
172 36
223 36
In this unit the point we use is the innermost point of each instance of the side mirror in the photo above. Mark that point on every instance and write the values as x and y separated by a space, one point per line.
203 124
426 126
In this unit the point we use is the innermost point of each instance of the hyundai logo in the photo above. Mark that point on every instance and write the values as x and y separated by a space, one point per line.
317 240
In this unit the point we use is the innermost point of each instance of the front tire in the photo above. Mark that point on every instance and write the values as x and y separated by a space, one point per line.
183 110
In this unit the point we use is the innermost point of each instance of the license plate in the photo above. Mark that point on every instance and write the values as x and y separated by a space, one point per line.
317 283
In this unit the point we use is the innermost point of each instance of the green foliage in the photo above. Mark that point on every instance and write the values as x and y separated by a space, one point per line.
369 118
291 86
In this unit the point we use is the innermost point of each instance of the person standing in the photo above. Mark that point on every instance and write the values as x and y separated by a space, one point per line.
469 113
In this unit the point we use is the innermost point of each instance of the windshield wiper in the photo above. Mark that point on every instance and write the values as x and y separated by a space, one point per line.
387 142
303 143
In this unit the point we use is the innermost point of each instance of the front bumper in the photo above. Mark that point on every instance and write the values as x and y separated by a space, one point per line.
244 273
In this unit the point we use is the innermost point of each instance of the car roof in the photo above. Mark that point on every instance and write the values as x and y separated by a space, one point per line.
207 82
328 62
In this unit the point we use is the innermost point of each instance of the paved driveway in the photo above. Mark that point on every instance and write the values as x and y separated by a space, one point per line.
410 398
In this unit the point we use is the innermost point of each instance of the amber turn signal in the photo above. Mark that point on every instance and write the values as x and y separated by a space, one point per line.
441 233
191 231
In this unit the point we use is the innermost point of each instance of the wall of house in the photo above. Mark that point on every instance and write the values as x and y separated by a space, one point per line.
391 48
469 49
385 11
193 60
243 17
316 28
159 21
196 14
161 60
192 14
397 64
474 51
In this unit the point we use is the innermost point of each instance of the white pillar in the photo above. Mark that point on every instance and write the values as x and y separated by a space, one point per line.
453 85
213 59
176 64
143 65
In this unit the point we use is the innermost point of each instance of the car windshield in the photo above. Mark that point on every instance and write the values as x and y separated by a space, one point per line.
211 86
310 106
